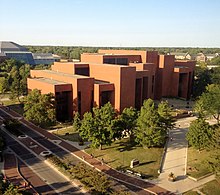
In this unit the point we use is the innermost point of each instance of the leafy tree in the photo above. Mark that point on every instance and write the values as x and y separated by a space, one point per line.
40 108
42 67
8 64
165 113
202 79
98 128
117 128
215 141
128 119
213 162
12 190
24 72
76 121
209 102
149 132
215 75
215 61
3 86
199 134
15 75
120 193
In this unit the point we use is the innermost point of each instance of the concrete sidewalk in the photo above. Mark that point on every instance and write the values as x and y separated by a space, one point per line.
176 161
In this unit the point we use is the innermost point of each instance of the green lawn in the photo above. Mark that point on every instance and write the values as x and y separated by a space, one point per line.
14 104
196 166
191 193
212 187
120 154
68 134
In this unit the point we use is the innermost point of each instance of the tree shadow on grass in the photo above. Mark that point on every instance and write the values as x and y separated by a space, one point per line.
146 163
111 161
100 155
127 147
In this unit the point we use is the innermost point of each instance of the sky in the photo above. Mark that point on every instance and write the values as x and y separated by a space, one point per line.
113 23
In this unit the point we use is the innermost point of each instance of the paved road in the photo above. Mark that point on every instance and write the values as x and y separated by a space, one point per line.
39 185
46 139
51 177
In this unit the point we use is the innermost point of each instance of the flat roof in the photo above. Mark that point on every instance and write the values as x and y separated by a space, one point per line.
111 54
114 65
101 82
50 81
65 74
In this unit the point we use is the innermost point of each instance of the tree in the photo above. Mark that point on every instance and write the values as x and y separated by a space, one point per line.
202 79
117 128
209 102
76 122
24 72
215 75
18 80
149 132
98 128
215 141
215 61
165 113
12 190
3 86
213 162
129 121
199 134
40 108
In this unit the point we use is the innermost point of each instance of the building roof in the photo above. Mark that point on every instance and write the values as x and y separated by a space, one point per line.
65 74
211 55
178 54
10 46
101 82
50 81
43 56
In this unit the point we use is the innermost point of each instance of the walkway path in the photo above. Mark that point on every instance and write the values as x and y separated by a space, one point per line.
176 161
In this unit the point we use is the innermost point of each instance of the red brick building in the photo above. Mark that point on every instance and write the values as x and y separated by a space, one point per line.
123 77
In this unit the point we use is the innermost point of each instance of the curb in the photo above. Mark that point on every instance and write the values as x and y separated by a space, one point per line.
200 178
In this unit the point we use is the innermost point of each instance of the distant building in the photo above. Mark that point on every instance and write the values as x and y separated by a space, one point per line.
209 57
122 77
15 51
200 57
18 52
45 58
181 56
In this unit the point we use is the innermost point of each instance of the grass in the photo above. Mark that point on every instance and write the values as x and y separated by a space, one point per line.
196 166
212 187
191 193
120 154
14 104
67 133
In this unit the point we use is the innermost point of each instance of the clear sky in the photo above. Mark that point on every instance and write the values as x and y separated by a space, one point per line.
148 23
